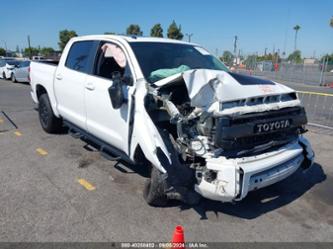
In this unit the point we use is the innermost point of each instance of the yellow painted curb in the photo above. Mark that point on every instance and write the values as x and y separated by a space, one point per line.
316 93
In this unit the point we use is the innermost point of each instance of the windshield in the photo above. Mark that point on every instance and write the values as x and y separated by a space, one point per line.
159 60
13 62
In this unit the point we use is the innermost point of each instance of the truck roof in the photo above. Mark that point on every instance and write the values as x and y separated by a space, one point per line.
132 38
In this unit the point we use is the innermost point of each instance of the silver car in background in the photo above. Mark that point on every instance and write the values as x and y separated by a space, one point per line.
21 72
9 68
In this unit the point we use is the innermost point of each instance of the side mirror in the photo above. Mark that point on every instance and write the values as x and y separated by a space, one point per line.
116 91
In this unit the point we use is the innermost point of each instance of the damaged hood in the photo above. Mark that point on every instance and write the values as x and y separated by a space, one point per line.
206 86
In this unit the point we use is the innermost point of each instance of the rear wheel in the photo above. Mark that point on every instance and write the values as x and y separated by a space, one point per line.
4 75
13 78
154 190
49 122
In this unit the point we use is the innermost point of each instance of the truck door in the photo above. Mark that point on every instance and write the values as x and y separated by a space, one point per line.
105 122
69 82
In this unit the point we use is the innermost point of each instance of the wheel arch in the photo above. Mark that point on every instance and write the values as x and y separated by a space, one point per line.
40 89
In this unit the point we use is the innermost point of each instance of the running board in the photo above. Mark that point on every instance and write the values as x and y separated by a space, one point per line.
107 151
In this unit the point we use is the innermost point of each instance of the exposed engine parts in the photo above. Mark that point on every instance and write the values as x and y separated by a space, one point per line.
198 133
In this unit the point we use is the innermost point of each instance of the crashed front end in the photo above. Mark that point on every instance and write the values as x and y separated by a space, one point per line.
235 133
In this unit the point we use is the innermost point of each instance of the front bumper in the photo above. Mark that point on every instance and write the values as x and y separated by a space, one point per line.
236 177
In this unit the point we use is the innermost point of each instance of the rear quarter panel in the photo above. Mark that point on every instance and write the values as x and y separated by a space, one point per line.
42 74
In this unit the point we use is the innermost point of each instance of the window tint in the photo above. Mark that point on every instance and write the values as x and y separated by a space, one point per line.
78 56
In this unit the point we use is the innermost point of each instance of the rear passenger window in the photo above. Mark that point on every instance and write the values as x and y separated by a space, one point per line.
78 56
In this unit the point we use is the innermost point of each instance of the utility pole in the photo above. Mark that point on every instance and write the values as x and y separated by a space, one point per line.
5 43
6 47
30 52
235 45
189 36
235 48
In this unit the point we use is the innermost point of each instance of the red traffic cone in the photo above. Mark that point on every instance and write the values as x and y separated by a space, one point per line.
178 240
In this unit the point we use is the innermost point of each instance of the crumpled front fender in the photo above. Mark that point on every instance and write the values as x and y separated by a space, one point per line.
145 134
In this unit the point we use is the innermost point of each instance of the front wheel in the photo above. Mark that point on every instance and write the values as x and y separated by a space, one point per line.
154 190
49 122
13 78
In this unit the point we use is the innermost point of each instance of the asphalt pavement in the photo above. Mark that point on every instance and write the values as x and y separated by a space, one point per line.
57 188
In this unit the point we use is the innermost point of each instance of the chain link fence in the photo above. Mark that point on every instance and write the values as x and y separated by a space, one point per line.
311 74
319 106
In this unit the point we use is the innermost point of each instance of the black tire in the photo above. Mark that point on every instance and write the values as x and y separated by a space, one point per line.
154 190
13 78
4 75
49 122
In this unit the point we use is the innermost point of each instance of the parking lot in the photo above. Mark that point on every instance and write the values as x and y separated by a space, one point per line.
57 188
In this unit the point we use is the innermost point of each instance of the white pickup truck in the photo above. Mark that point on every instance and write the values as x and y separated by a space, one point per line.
173 107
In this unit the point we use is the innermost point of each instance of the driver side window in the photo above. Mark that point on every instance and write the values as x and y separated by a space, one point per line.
111 60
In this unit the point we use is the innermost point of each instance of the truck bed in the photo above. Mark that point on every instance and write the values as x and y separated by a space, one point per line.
42 73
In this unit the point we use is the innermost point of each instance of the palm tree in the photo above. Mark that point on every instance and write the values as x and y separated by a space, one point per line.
296 28
331 22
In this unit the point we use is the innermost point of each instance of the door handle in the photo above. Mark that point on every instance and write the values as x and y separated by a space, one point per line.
59 77
90 86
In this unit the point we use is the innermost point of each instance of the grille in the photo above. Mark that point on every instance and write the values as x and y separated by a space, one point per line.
240 133
259 100
252 141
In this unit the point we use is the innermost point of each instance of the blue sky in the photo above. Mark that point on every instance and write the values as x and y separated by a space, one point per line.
258 24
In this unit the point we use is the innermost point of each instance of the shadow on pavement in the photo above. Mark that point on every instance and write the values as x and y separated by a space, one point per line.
267 199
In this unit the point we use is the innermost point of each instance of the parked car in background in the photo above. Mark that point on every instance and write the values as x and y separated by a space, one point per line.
9 67
3 62
38 58
21 72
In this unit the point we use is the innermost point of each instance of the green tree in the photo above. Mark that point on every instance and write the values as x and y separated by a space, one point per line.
175 32
64 36
2 52
275 58
331 22
46 51
28 52
296 28
109 33
156 30
295 57
227 58
134 29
